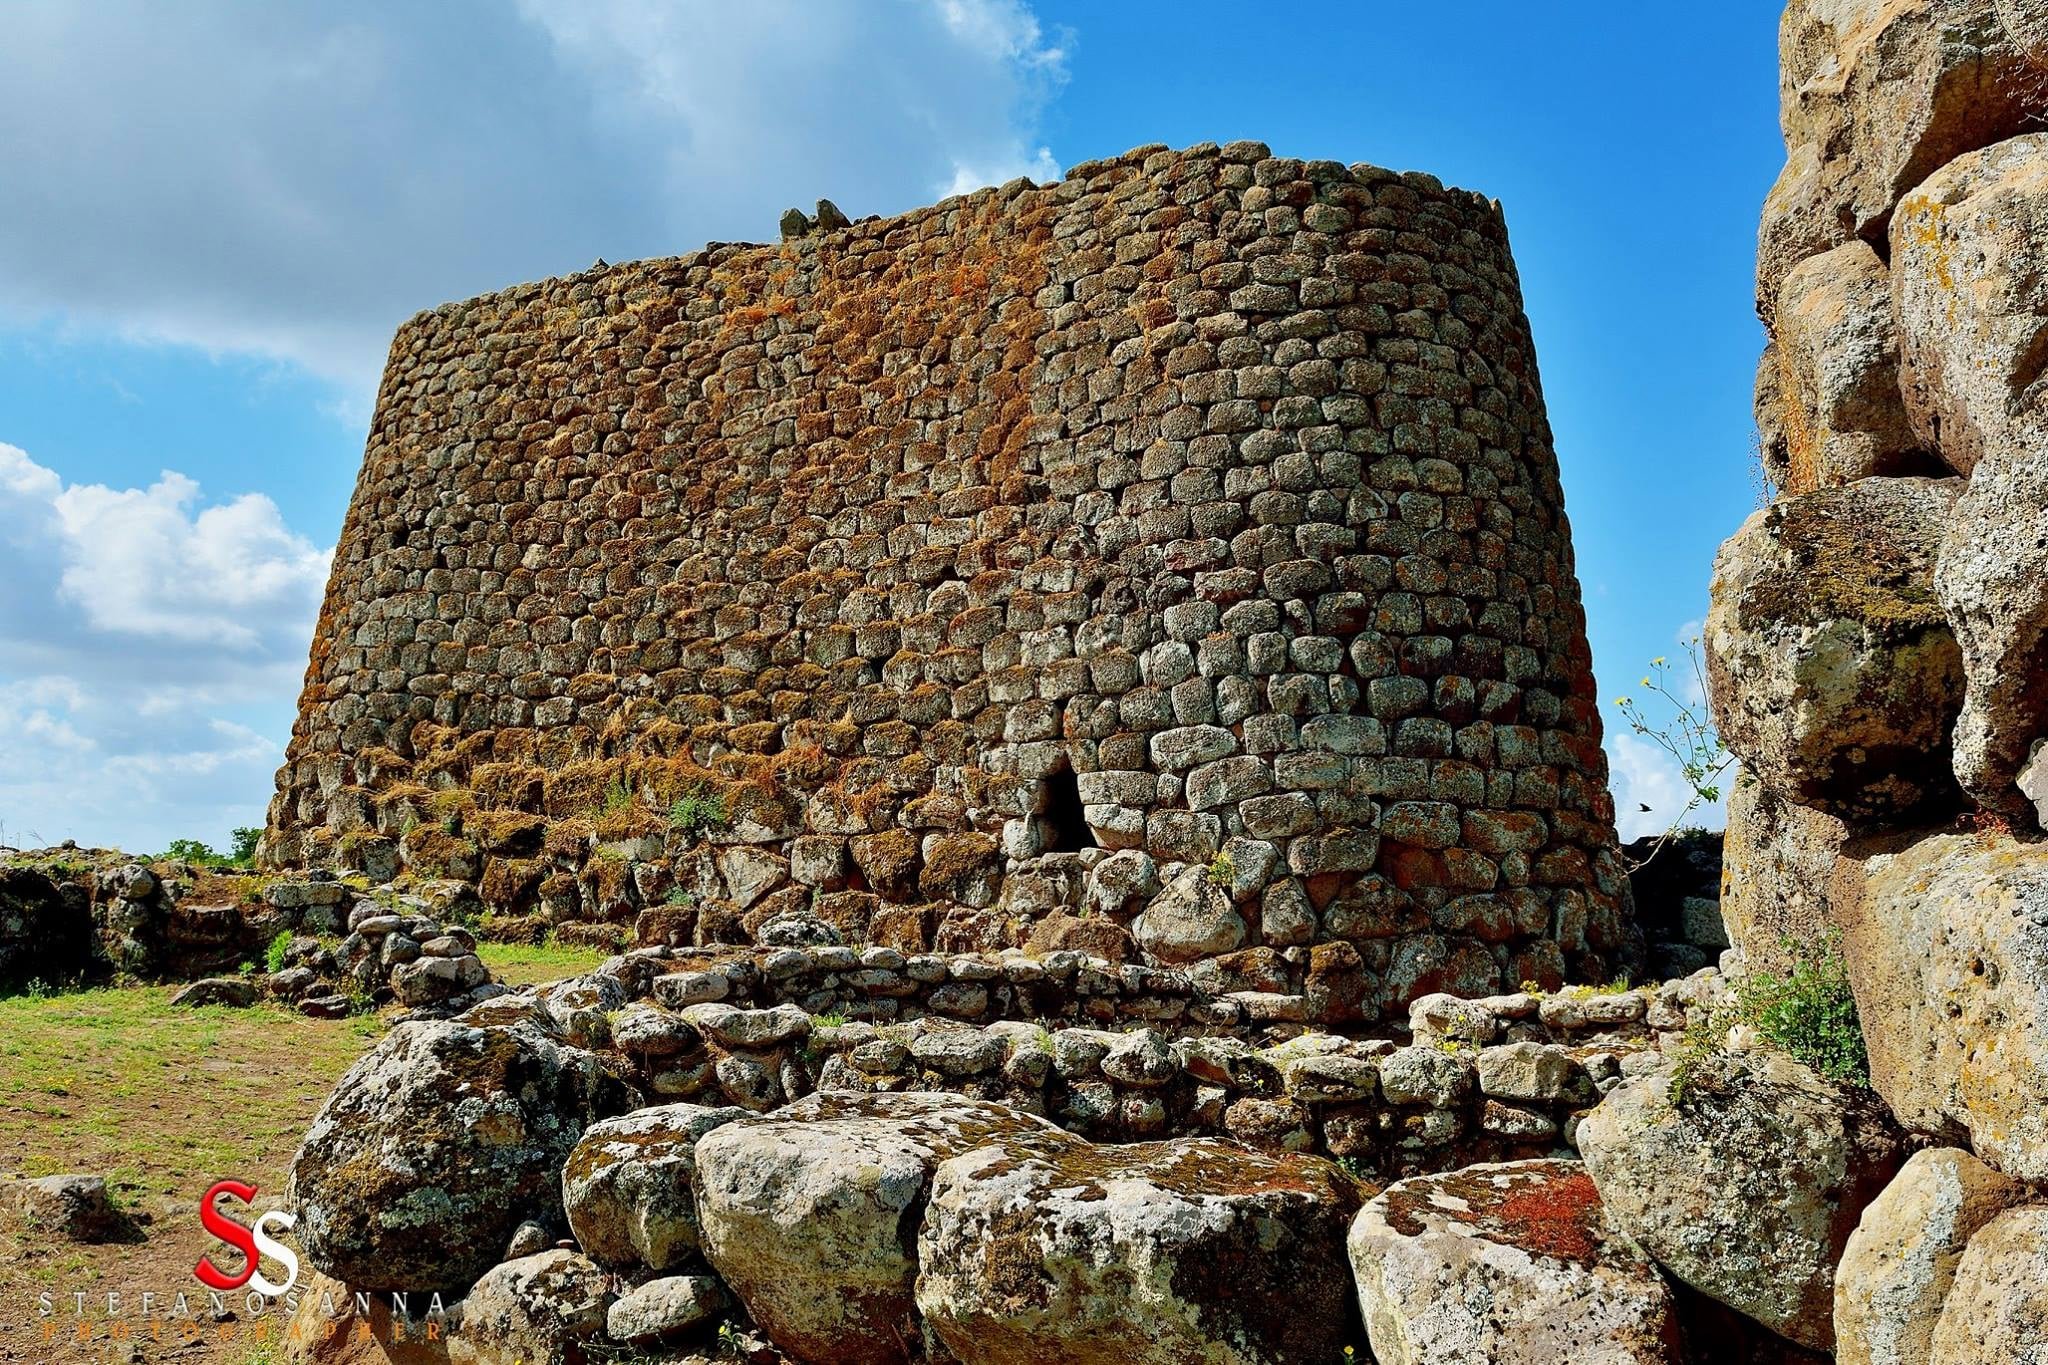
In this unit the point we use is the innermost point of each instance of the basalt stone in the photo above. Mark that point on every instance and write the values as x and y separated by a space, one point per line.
811 1216
1325 574
1513 1264
1832 670
1042 1247
438 1143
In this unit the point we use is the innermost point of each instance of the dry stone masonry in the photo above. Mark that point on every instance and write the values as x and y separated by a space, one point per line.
1180 545
1879 661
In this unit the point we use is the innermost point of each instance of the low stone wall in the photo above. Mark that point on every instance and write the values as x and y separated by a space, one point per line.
1118 1054
69 914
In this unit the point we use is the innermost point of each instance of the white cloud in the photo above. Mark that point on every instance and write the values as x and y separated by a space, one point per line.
151 645
294 180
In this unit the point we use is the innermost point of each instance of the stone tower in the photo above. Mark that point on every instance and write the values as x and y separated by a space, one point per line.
1169 562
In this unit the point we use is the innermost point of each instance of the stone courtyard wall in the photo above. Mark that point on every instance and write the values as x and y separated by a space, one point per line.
1182 541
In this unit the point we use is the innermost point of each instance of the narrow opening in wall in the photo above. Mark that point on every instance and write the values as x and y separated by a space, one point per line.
1065 826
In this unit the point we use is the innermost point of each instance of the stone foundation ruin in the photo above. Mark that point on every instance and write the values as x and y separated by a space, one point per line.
1169 563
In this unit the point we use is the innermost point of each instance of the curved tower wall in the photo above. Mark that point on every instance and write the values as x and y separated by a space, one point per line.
1209 490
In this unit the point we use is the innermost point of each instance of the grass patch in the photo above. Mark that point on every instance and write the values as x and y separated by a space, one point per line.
117 1081
527 964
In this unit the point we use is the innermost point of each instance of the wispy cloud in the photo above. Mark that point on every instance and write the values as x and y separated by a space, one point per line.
141 630
294 181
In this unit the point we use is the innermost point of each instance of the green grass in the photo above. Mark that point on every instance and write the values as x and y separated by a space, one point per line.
116 1080
526 964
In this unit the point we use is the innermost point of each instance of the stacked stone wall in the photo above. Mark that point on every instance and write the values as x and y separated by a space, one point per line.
1201 506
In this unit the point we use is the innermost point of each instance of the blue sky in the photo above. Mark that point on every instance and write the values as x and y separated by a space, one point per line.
218 212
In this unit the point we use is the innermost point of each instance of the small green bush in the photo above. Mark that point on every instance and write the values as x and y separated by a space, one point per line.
1808 1013
696 811
678 896
245 837
1222 871
1811 1014
617 797
273 956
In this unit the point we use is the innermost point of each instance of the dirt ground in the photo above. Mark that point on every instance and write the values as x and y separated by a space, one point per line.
163 1102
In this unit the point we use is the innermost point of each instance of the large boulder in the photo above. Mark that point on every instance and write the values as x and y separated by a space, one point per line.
1743 1176
627 1186
1895 1273
1873 99
538 1310
1972 301
1993 581
811 1215
1192 918
436 1145
1040 1247
1837 386
1832 673
1945 939
1513 1264
1997 1308
1776 861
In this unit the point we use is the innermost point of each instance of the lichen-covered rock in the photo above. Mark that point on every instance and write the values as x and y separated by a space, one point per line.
1971 302
1039 1247
1777 858
1997 1307
1745 1181
1837 354
540 1310
627 1185
1192 918
1832 672
1946 944
1896 1271
811 1215
1874 98
436 1145
74 1207
662 1310
1512 1264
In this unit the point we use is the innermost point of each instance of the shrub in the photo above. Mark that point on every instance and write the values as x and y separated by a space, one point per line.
696 811
1811 1014
617 797
200 854
678 896
273 956
1808 1013
1222 871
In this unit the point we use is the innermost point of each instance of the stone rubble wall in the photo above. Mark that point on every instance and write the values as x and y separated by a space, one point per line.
1878 661
754 1164
1130 1055
1201 505
69 915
